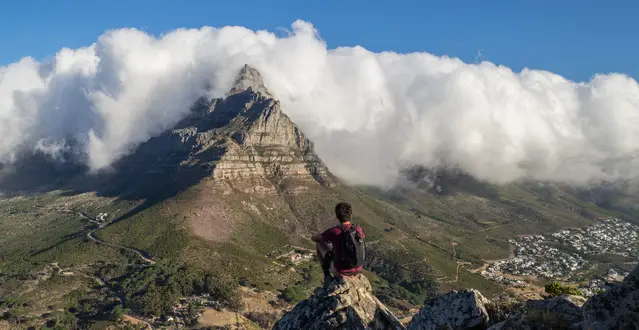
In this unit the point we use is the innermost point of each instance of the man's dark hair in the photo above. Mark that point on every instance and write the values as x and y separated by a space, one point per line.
343 211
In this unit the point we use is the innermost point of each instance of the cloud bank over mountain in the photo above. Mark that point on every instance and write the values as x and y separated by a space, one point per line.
370 114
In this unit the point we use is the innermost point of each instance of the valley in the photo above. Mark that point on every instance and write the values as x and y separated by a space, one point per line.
288 273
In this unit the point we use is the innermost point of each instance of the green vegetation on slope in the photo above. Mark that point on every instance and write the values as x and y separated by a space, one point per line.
420 243
155 289
554 289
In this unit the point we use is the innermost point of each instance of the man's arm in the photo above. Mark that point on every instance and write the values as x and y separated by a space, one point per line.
317 238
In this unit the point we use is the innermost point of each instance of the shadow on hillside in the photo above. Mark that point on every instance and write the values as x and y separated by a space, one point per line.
138 177
65 238
154 172
157 170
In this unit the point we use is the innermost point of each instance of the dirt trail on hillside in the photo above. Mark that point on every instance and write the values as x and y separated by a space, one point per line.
136 322
400 244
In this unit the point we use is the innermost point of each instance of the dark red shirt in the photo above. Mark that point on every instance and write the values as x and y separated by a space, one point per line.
332 235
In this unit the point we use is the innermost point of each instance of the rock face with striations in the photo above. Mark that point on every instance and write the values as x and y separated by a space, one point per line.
243 141
346 303
264 143
455 310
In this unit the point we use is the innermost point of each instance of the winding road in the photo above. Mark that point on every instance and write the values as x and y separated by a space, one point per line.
91 235
118 295
142 255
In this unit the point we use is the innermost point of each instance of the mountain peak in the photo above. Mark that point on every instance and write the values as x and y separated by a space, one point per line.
242 141
249 78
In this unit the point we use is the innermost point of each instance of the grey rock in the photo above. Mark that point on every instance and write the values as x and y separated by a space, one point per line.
617 308
346 303
266 148
563 312
249 78
520 322
563 309
242 141
455 310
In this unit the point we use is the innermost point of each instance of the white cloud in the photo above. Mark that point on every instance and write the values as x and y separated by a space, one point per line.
369 114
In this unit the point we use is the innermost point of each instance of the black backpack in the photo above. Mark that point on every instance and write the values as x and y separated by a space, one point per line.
353 247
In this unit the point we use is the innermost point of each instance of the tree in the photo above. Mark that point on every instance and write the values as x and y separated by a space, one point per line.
192 312
68 321
223 291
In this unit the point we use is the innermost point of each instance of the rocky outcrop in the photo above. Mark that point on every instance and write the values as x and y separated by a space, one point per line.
266 144
565 309
243 141
345 303
617 308
259 147
455 310
349 304
249 77
563 312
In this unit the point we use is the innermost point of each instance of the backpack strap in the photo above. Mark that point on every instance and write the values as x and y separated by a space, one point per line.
354 226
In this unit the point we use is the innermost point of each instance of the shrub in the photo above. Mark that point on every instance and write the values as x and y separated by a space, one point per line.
293 294
279 303
555 289
264 320
155 289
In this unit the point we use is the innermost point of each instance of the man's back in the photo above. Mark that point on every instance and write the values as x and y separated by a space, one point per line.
333 235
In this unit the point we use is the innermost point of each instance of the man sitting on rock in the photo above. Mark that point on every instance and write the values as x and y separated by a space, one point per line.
340 249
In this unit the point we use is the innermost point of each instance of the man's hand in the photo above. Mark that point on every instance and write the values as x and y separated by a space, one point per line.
317 238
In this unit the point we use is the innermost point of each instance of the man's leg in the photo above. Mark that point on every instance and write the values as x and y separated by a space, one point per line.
324 256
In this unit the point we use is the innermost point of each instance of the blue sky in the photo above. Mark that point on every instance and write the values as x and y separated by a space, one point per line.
573 38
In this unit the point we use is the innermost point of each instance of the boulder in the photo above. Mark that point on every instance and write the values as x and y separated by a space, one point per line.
345 303
563 312
617 308
564 309
455 310
519 322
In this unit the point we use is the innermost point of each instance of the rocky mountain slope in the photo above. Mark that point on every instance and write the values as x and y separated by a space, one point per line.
345 303
242 141
246 140
348 303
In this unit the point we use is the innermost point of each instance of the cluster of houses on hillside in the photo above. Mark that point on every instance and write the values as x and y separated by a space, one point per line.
294 254
600 284
609 236
562 253
535 257
494 275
